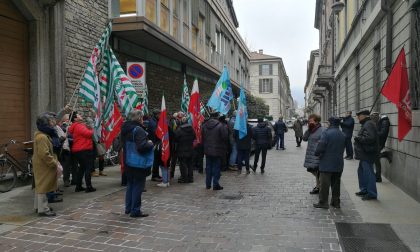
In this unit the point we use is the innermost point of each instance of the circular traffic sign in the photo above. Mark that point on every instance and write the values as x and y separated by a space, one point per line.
135 71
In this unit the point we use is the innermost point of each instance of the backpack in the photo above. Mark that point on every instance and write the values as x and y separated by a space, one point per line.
133 158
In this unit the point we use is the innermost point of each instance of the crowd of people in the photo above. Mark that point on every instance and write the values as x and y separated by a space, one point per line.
63 144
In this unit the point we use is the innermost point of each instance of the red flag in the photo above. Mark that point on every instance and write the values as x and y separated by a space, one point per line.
109 136
195 110
163 134
397 91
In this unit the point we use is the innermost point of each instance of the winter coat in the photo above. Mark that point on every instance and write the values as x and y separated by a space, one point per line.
44 163
151 130
347 126
297 127
366 143
142 145
280 127
215 138
184 138
311 160
330 150
82 137
231 125
244 143
262 135
383 131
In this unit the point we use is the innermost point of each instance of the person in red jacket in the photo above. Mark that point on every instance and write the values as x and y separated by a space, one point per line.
82 149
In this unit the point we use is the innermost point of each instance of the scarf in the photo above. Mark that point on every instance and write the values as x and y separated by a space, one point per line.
312 129
55 140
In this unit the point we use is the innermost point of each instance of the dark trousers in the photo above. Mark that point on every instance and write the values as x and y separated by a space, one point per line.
174 160
198 156
135 188
213 171
185 166
280 141
86 162
101 163
327 180
155 167
298 141
258 150
243 156
69 164
349 147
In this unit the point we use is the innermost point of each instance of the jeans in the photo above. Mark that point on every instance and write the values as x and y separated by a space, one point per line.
165 174
86 162
259 149
280 141
213 171
328 179
367 179
243 156
185 166
233 155
349 147
135 187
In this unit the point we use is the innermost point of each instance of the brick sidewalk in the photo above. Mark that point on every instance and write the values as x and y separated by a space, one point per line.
269 212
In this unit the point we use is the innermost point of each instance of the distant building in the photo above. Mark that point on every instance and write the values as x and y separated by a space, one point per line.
269 81
314 100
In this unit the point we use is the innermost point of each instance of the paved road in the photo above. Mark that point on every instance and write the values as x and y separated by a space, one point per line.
256 212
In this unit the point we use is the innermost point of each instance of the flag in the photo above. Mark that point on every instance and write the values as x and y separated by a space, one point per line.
241 115
194 108
163 134
109 136
397 91
185 101
222 94
126 94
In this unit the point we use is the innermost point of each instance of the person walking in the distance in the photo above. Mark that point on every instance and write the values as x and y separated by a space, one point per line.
312 136
330 151
214 137
279 129
297 127
347 126
262 136
366 150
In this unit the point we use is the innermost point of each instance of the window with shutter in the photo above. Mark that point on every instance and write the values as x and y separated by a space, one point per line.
261 86
271 69
260 70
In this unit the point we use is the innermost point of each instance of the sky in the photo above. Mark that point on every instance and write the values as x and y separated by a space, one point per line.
283 28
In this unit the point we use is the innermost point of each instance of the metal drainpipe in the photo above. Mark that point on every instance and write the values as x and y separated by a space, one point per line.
386 7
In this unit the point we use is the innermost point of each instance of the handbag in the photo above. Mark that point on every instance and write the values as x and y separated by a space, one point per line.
133 158
100 149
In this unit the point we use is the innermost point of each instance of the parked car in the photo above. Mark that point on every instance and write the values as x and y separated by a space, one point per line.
289 123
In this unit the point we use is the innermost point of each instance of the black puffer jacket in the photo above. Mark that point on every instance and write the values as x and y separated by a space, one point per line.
366 143
184 138
262 135
215 138
383 131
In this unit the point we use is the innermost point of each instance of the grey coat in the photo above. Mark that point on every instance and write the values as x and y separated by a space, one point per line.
312 161
297 127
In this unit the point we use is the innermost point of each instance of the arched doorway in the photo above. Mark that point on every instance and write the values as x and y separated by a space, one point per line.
14 74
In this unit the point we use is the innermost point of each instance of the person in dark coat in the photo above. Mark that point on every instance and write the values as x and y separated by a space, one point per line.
297 127
279 129
136 176
312 136
184 138
214 136
366 148
262 136
244 148
330 150
347 126
151 131
382 124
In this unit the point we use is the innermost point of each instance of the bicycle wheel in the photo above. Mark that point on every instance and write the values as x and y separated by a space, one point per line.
8 176
113 158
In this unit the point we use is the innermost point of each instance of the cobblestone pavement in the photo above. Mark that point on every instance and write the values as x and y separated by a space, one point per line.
256 212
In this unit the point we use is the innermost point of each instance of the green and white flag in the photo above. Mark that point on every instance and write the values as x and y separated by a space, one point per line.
185 101
145 100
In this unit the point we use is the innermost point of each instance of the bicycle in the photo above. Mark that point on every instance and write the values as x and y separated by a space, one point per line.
111 157
10 166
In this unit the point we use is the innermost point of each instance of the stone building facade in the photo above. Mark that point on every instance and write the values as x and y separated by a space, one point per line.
313 100
367 37
269 81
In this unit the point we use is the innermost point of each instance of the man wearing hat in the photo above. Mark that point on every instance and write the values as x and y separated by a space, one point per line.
330 150
366 149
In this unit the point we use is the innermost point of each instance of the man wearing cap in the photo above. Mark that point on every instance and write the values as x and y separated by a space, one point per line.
347 126
330 150
366 150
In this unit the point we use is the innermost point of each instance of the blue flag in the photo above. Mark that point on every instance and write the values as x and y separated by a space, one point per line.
241 115
222 94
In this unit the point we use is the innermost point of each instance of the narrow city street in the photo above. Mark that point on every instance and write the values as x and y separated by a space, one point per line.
256 212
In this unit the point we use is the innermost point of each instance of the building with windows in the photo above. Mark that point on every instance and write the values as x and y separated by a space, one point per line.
314 102
269 81
359 42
